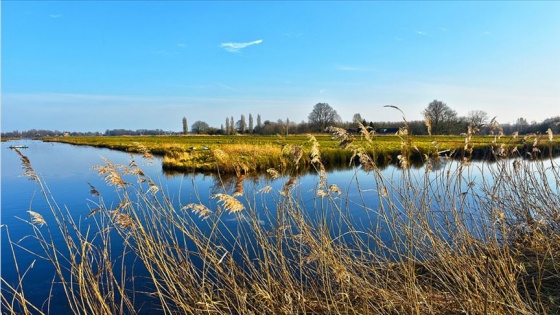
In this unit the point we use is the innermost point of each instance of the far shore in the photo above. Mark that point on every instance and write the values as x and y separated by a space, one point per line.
251 153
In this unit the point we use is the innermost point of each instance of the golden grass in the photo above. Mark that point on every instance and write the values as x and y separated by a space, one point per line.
238 154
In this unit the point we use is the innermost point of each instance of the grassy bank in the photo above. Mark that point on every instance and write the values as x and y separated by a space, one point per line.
439 241
242 154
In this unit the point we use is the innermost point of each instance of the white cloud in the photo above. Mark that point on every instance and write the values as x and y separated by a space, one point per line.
235 47
55 16
421 33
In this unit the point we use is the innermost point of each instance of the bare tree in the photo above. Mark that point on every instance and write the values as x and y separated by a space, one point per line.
322 116
476 119
228 129
439 117
355 119
199 127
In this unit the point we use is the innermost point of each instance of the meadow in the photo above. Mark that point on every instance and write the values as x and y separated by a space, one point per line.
459 243
252 153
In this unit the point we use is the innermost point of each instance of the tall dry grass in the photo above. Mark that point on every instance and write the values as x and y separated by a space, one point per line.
454 238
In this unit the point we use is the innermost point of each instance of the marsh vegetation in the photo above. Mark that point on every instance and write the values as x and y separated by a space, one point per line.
250 153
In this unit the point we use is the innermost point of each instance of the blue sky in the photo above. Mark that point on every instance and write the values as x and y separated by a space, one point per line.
92 66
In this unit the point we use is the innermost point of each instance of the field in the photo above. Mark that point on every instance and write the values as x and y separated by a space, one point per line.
246 153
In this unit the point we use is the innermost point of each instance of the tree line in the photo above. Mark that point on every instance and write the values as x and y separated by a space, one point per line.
439 119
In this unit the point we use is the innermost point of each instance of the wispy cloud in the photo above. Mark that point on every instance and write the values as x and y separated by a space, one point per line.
235 47
56 16
422 33
227 87
351 68
181 45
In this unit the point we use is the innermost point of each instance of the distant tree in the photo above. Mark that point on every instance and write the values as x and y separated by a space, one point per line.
355 119
287 125
322 116
185 126
439 117
303 127
199 127
521 125
250 123
477 118
242 124
228 129
259 124
521 121
231 126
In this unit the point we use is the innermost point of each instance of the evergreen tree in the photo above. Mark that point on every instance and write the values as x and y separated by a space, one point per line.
250 123
259 124
242 124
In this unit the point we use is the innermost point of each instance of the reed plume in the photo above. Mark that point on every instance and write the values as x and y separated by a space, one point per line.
37 218
229 203
199 209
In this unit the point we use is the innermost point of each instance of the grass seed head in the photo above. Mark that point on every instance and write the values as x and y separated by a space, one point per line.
201 210
124 220
229 203
322 193
333 188
273 173
26 164
265 190
37 218
92 190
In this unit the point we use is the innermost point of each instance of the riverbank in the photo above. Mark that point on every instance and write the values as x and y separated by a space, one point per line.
248 153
